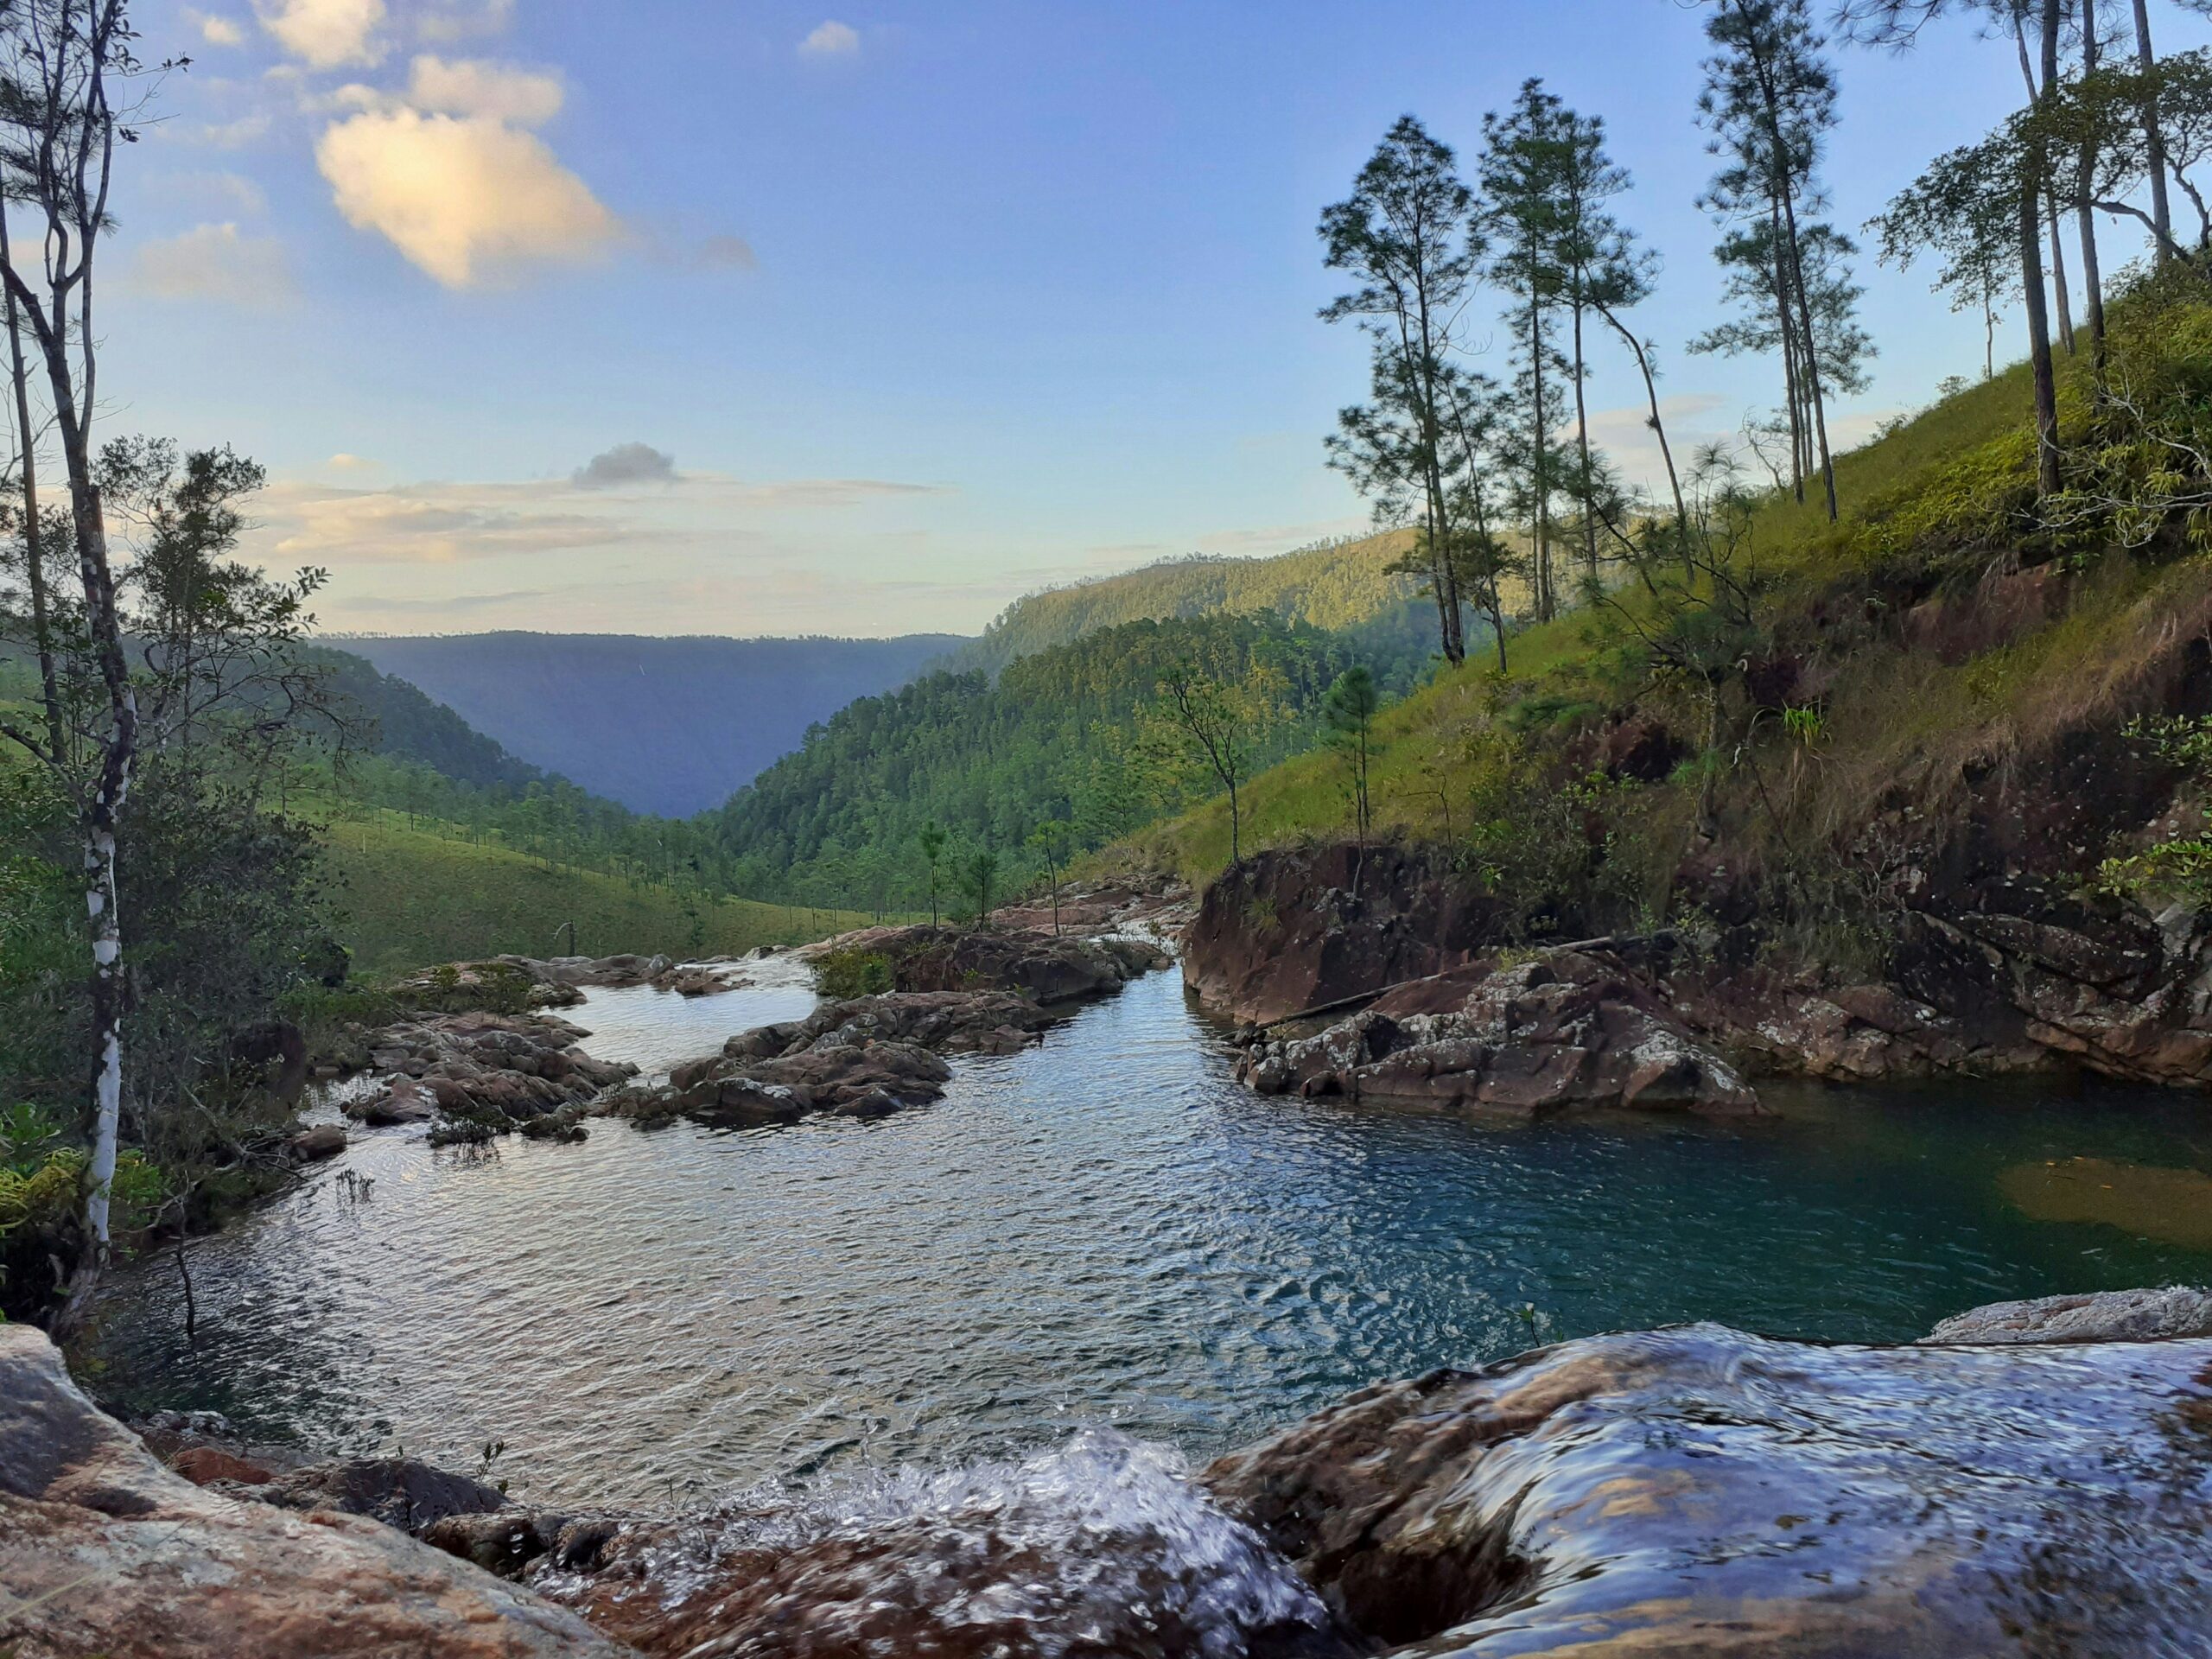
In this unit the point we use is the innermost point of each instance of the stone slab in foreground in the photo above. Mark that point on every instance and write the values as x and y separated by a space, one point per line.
104 1551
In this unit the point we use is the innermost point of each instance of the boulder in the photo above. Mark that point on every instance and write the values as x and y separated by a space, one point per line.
318 1142
493 1070
1695 1492
104 1551
867 1057
401 1492
1298 928
1031 962
401 1101
2101 1316
1567 1030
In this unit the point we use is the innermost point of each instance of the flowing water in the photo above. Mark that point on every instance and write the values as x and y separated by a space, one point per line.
1105 1232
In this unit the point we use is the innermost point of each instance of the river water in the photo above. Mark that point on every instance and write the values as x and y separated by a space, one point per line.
1102 1232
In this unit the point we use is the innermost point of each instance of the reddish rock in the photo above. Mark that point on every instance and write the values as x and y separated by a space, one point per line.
104 1552
203 1465
1294 928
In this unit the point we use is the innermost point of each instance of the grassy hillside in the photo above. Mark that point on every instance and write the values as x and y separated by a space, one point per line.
408 897
669 727
1340 587
1945 630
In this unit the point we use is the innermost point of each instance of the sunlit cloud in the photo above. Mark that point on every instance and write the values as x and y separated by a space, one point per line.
326 34
477 87
832 39
215 263
467 200
214 29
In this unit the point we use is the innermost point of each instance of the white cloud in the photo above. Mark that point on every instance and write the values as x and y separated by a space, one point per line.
626 463
326 34
475 87
429 524
226 135
464 19
214 29
832 39
214 262
467 200
220 192
432 524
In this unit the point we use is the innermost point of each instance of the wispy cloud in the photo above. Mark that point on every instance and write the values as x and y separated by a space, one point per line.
830 39
217 263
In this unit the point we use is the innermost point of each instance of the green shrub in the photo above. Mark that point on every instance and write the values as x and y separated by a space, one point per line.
842 975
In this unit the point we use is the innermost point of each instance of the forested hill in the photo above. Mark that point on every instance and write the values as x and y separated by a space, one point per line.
396 720
1070 733
1341 587
668 727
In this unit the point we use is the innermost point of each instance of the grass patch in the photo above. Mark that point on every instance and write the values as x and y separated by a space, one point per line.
409 899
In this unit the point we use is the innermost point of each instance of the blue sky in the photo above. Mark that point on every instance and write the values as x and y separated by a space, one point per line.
887 313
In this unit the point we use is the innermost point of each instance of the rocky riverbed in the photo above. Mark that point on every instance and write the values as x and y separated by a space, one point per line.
2032 1480
2009 975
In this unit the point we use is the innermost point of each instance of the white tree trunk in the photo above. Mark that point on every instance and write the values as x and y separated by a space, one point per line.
102 909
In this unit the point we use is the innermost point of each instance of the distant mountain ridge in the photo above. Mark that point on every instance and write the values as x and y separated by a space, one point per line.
665 726
1339 586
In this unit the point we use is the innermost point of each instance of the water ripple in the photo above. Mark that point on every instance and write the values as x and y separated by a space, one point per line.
1104 1230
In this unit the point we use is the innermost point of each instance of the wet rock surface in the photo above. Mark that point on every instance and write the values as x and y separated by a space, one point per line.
2044 1489
1099 1549
1045 966
499 1071
1985 975
104 1551
1567 1030
700 978
1696 1492
864 1057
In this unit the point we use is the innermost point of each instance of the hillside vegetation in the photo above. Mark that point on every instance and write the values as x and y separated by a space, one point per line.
1830 705
1344 587
1072 734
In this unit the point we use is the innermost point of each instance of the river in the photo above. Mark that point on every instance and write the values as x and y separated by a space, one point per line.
1105 1231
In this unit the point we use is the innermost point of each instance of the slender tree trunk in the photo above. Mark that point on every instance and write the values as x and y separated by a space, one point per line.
2093 296
1659 430
2047 474
1811 340
1582 444
57 737
1541 437
2058 285
1786 327
2154 140
1437 586
1793 248
2039 355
